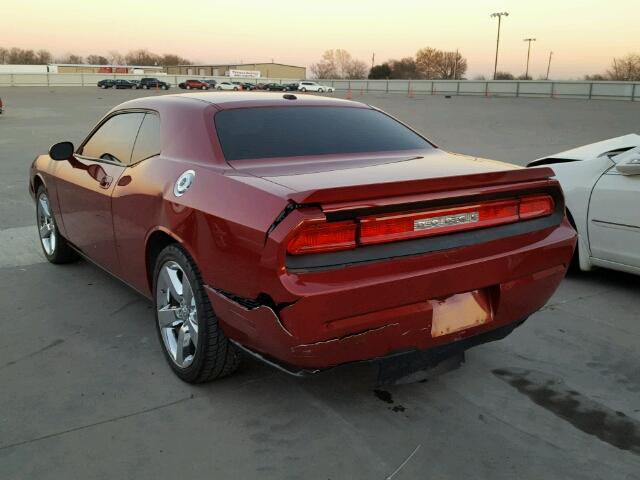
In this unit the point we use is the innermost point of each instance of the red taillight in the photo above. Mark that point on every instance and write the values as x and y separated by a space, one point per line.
536 206
315 237
323 237
381 229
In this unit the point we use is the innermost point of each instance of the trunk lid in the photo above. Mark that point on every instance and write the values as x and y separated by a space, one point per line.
348 178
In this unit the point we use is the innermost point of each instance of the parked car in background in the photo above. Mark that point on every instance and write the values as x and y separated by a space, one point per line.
291 87
106 83
314 87
274 87
147 83
248 86
120 83
226 86
211 82
1 105
194 84
136 83
601 183
309 232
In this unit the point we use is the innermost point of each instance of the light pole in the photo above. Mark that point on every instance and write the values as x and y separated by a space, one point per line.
549 65
526 73
499 15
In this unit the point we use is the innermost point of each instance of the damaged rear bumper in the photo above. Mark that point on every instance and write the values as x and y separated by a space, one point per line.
402 307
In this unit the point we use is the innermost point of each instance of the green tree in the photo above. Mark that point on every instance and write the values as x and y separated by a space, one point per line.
378 72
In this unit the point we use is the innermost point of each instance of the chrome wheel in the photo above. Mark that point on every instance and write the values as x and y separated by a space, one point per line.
177 314
46 225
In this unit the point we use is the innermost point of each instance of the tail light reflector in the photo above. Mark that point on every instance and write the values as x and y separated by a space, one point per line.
316 237
323 237
536 206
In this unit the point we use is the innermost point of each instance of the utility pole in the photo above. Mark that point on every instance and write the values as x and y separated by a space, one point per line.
499 15
373 59
526 73
549 65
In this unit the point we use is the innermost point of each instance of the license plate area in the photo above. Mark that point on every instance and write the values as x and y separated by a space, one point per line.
460 312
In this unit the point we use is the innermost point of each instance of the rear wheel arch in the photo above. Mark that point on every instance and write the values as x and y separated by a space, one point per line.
157 241
37 182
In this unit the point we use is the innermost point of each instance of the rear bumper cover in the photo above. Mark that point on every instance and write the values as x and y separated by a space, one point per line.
393 312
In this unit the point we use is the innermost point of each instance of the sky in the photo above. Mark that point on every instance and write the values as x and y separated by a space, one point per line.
584 35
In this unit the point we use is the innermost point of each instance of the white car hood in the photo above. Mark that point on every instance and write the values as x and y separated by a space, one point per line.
593 150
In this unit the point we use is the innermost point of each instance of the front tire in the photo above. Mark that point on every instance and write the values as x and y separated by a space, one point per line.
194 345
303 89
55 247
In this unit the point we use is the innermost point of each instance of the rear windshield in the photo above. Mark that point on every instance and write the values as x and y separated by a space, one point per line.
267 132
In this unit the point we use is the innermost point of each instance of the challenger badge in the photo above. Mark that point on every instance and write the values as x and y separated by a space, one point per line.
445 221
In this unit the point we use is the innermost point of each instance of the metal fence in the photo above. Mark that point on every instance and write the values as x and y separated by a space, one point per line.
500 88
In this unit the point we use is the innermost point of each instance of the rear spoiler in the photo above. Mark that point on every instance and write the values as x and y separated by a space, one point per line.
422 186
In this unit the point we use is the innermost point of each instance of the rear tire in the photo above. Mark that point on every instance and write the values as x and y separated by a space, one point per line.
210 355
55 247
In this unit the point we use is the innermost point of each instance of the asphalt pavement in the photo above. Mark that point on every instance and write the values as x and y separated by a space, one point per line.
85 391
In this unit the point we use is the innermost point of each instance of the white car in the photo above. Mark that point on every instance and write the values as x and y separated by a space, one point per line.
601 184
314 87
226 86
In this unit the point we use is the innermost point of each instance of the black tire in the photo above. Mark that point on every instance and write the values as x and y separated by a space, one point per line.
303 89
203 87
215 356
62 253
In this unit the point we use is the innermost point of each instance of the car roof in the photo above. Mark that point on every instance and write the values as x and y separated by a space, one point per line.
231 100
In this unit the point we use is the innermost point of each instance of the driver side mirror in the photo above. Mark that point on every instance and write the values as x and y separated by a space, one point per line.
61 151
629 167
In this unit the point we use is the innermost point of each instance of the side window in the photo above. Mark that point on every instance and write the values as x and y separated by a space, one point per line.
148 142
114 139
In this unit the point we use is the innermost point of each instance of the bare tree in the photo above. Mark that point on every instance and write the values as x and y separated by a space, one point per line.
97 60
428 62
452 66
326 67
70 58
504 76
173 59
339 64
142 57
44 57
626 68
4 55
356 69
115 57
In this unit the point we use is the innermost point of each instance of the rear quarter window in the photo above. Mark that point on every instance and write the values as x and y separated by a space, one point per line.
267 132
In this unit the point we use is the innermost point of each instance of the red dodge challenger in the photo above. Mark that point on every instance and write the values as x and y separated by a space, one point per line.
310 232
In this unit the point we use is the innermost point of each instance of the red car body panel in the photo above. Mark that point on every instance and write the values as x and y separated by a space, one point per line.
235 223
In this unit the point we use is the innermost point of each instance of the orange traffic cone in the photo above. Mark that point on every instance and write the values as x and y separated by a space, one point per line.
349 94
